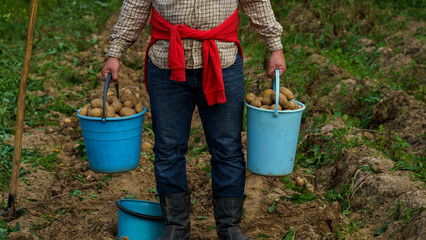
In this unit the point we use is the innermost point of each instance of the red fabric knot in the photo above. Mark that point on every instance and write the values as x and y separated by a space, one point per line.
213 86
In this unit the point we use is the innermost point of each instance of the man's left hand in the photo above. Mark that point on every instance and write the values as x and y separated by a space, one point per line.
276 61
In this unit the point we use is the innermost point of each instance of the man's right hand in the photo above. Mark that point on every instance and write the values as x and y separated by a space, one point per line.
112 66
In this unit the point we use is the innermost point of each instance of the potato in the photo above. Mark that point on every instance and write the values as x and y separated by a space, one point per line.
267 92
293 105
96 103
67 121
287 93
250 97
84 110
95 112
147 145
117 105
127 91
125 111
300 181
116 115
129 97
267 100
128 104
256 103
272 107
109 111
260 99
138 108
264 107
137 95
111 99
282 100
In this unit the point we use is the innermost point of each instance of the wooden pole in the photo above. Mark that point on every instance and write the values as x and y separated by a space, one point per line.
20 111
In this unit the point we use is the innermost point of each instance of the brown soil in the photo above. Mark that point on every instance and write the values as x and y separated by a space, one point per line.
53 213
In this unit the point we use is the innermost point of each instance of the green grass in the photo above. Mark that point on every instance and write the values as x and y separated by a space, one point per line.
62 30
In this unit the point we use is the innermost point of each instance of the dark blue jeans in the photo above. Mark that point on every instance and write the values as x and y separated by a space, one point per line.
172 106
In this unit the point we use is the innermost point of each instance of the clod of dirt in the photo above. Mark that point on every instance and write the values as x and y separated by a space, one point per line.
364 27
386 52
20 236
341 93
413 47
413 200
386 185
309 232
304 20
353 159
398 62
402 113
368 46
365 42
318 59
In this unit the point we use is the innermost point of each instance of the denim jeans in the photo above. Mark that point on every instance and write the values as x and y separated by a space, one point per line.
172 106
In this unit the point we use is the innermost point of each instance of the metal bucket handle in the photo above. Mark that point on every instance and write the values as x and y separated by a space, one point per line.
276 88
106 86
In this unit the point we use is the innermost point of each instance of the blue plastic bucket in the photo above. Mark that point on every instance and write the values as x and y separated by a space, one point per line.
139 220
272 138
113 145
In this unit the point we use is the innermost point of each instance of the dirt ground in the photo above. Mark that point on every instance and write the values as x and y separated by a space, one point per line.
54 213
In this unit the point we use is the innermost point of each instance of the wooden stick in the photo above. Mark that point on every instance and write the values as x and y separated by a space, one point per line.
21 107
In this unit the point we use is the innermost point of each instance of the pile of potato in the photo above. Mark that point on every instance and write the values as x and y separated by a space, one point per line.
267 100
127 105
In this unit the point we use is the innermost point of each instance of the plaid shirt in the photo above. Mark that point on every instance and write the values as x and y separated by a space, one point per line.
197 14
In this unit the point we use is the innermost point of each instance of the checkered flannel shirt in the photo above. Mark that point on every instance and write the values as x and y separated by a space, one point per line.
197 14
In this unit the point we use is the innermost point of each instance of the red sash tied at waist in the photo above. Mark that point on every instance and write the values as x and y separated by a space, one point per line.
213 86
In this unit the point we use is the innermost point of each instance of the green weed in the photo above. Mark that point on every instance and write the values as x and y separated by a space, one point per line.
395 214
290 235
397 149
27 156
5 230
342 196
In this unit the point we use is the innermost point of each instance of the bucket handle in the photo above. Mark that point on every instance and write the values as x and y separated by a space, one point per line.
106 86
137 214
276 87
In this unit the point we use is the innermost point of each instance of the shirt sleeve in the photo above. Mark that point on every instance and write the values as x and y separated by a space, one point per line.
263 21
133 17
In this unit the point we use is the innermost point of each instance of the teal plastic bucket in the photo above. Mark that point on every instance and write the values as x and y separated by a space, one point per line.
272 137
139 220
113 145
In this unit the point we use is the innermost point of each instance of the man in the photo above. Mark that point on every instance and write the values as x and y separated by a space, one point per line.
194 59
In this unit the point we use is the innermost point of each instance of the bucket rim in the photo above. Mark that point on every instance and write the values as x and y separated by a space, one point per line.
279 111
117 203
111 119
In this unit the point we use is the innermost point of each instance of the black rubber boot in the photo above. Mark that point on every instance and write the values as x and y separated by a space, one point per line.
227 213
175 208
